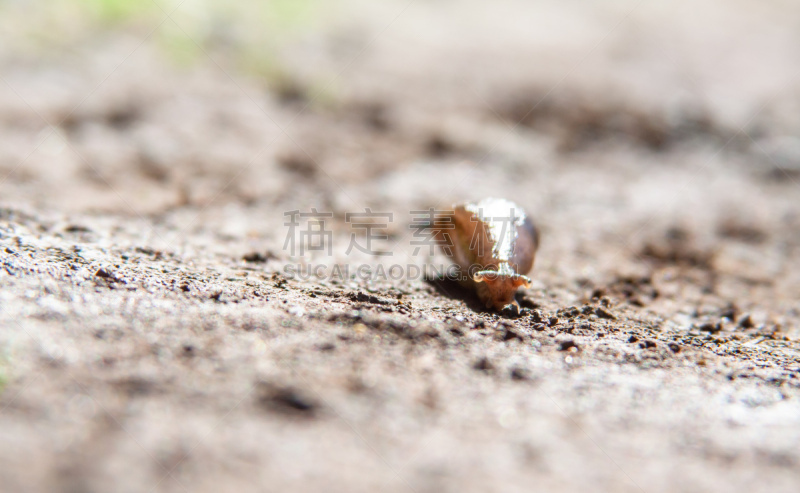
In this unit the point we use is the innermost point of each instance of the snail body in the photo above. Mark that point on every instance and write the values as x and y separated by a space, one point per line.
494 243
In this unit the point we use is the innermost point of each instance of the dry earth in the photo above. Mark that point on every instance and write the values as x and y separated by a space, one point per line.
151 339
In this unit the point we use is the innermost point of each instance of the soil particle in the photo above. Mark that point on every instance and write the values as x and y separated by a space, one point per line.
483 364
648 344
286 399
508 331
136 386
536 316
104 274
439 146
369 298
569 312
711 327
259 257
567 345
746 322
76 228
604 313
326 346
519 373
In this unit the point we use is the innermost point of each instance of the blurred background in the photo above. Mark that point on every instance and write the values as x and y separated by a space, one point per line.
609 121
655 143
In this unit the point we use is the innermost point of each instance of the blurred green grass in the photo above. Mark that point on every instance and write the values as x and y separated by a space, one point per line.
116 10
246 36
273 13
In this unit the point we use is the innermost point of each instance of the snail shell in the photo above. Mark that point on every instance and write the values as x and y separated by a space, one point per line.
494 243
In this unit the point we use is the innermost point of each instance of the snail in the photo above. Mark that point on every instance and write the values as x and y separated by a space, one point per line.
493 242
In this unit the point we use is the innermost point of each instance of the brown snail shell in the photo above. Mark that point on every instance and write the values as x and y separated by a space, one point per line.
494 243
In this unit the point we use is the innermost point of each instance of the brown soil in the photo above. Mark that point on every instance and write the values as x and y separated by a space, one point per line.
151 339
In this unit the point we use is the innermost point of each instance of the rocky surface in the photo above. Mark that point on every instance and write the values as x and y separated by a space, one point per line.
153 339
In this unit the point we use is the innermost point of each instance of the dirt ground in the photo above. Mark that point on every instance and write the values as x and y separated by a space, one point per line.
152 339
